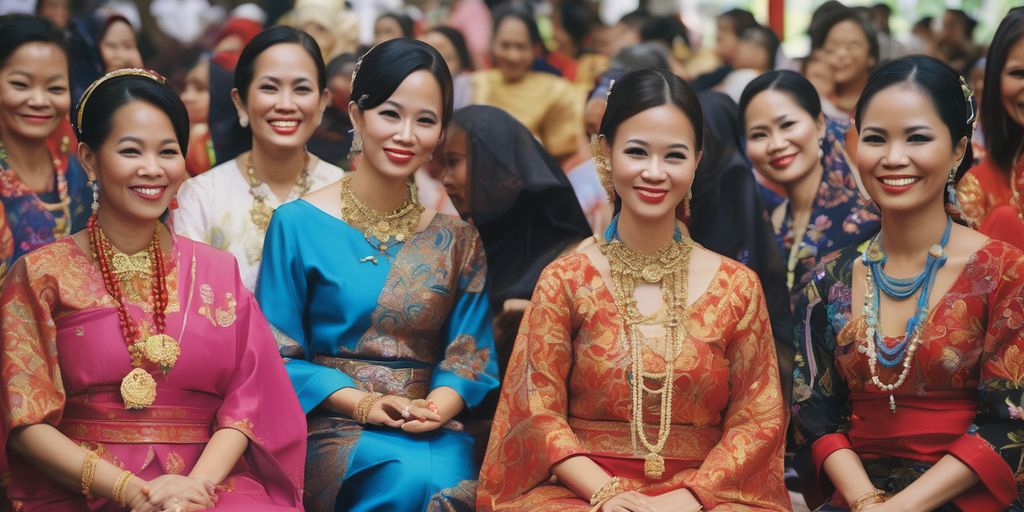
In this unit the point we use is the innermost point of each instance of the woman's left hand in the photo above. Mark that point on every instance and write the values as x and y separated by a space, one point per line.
676 501
421 416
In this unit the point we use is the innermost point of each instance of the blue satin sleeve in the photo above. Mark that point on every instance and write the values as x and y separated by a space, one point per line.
469 365
282 291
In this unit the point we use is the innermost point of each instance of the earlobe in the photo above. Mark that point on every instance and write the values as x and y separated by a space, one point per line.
88 159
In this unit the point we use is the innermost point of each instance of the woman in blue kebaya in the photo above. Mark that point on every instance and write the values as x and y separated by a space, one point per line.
380 307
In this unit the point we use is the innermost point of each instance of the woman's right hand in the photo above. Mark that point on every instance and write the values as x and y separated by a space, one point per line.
627 502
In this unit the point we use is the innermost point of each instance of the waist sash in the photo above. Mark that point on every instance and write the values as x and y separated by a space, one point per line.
180 417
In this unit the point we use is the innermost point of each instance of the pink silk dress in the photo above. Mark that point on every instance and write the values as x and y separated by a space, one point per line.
62 358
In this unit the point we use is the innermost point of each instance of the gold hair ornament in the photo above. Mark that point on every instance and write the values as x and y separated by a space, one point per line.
145 73
609 93
969 97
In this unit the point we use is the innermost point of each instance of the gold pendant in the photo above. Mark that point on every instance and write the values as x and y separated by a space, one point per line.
138 389
162 350
260 214
654 466
652 273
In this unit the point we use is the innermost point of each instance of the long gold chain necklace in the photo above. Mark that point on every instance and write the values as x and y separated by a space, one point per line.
259 211
629 268
379 228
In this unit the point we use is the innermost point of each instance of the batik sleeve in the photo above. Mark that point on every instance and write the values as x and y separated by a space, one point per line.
469 365
530 431
745 467
820 395
992 446
31 390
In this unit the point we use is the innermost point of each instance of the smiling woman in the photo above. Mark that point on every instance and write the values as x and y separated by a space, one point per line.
280 93
380 306
43 192
101 343
904 390
644 376
792 144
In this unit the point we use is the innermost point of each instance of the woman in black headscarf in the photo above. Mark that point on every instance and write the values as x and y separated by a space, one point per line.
499 177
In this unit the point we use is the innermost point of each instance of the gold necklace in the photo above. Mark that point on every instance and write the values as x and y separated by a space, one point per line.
61 210
629 267
259 211
399 224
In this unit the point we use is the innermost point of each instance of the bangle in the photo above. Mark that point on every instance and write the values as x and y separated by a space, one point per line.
366 403
89 472
121 488
610 489
872 498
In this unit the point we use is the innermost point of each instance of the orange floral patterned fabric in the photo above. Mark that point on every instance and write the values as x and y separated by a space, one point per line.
982 190
567 393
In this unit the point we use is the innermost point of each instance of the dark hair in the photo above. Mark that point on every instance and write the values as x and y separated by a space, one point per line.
119 91
1003 136
405 23
969 23
646 89
459 42
341 65
741 20
382 69
923 24
280 34
576 19
790 82
511 10
665 29
940 83
819 17
868 28
882 8
636 19
766 38
640 56
21 29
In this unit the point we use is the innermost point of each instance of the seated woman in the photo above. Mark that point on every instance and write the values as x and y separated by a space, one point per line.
791 144
907 390
135 368
500 177
644 375
380 306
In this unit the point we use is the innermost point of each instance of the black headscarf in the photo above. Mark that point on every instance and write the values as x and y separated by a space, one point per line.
520 201
728 217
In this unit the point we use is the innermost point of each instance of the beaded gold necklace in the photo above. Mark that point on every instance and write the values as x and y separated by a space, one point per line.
630 268
259 211
379 228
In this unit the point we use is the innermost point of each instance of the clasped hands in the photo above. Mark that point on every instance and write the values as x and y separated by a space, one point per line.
413 416
631 501
173 493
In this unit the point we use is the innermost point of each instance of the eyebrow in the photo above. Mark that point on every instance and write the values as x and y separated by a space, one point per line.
399 106
646 145
776 120
129 138
278 80
30 75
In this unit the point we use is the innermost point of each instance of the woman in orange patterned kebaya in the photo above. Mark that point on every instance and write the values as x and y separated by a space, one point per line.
644 376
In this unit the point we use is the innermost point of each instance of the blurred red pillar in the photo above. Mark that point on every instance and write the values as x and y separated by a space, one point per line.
776 16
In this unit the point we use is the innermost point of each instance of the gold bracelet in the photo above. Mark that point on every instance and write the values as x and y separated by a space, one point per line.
364 406
121 488
610 489
89 472
872 498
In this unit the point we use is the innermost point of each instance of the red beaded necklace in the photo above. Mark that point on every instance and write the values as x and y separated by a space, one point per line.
138 388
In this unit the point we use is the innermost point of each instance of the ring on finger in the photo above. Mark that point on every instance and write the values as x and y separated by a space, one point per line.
406 414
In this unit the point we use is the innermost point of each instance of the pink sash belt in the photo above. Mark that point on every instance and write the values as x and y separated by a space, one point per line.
178 417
